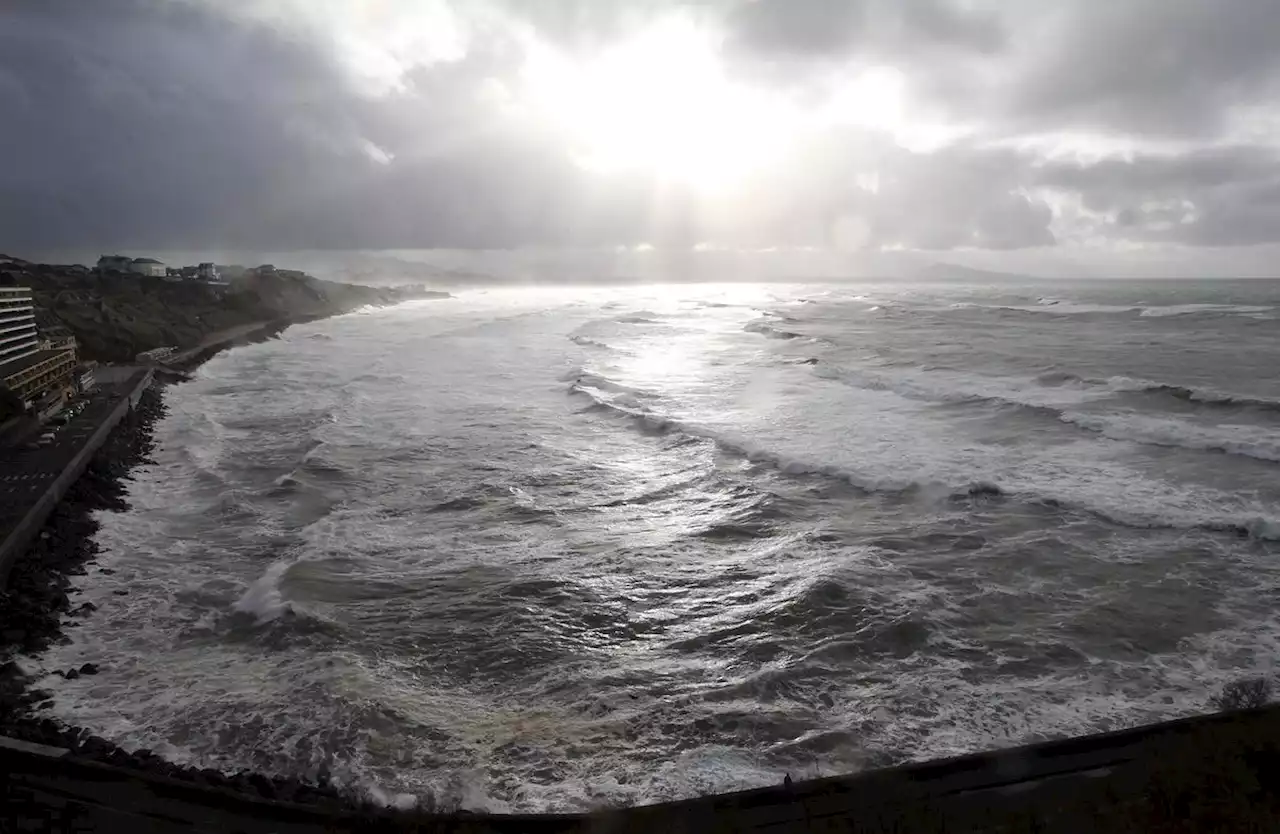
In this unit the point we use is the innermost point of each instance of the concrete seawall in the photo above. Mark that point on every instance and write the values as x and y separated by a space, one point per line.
1110 782
21 534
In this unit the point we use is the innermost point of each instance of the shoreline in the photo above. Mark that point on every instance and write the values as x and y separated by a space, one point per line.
39 596
67 544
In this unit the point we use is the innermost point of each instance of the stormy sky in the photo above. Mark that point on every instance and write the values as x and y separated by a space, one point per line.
997 126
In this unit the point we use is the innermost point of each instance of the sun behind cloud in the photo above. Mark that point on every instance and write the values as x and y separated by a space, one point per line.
659 102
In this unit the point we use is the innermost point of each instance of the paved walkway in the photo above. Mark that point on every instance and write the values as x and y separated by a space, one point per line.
214 340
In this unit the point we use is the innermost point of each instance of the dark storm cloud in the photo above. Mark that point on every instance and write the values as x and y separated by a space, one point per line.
174 123
116 129
959 197
1163 175
147 123
841 27
1217 197
1164 67
1161 68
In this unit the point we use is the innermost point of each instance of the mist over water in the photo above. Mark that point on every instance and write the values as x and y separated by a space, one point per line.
551 549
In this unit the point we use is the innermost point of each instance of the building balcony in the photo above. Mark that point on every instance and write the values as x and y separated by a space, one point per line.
12 326
17 332
14 353
14 350
29 372
25 331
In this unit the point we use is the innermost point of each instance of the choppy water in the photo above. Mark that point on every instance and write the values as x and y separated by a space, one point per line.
554 549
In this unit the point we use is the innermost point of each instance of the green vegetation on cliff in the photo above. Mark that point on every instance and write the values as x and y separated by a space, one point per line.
116 316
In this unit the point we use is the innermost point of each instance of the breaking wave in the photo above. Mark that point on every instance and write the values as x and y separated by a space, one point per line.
1246 441
587 341
523 565
263 600
1056 307
1063 388
585 379
640 317
764 328
652 423
1202 396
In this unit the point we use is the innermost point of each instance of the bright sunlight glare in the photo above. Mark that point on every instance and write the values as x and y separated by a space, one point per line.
659 102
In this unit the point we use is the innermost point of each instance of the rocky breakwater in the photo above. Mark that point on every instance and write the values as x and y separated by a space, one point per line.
40 596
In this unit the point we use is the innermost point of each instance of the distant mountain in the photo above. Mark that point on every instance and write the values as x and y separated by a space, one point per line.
955 272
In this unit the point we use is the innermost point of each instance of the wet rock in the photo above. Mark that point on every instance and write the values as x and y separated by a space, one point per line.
210 777
96 748
263 786
39 596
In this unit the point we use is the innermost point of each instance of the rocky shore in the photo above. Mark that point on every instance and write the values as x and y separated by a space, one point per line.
40 598
40 595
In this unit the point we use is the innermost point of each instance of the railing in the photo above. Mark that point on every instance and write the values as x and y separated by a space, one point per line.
20 353
19 350
10 326
18 334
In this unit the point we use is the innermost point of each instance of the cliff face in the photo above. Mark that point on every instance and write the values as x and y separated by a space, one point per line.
115 317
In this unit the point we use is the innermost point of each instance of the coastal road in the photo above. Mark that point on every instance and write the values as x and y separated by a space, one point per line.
25 474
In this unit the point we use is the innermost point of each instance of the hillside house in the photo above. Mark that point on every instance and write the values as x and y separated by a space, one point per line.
148 266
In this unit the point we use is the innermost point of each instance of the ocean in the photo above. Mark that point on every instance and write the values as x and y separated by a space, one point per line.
544 549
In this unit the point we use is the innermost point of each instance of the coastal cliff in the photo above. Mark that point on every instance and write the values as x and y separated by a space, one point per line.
116 316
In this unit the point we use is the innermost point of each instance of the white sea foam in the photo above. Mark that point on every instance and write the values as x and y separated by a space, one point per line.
264 600
1192 309
550 576
1249 441
1056 307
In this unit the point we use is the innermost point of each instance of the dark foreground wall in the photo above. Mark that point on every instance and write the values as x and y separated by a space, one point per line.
21 534
1212 773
